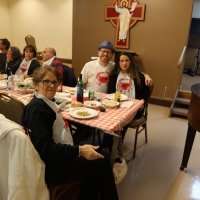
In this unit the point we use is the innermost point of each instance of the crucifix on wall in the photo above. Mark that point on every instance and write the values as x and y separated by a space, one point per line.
124 14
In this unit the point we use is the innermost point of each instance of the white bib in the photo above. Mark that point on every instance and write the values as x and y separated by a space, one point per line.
61 131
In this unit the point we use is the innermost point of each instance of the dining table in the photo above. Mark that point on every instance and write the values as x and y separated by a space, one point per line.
111 121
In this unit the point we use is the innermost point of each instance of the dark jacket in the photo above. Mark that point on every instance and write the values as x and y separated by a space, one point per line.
68 77
2 62
33 66
39 118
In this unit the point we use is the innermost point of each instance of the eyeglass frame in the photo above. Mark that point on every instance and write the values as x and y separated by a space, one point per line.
109 52
49 83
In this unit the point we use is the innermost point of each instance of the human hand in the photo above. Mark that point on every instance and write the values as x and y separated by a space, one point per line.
8 57
148 80
89 152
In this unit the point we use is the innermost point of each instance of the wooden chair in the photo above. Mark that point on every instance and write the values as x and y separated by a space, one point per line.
11 107
140 124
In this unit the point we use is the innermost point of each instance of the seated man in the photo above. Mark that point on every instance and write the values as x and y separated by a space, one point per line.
4 46
68 76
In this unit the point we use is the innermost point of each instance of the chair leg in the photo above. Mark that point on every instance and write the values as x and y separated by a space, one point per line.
146 138
135 144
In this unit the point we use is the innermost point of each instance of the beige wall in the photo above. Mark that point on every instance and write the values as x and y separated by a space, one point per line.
4 20
159 40
49 21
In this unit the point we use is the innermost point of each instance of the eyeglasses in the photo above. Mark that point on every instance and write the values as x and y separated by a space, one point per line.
105 51
49 83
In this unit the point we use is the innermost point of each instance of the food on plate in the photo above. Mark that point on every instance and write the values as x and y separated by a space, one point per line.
83 113
110 103
92 104
71 90
76 104
3 76
24 86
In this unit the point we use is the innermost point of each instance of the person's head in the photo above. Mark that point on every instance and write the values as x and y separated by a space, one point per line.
105 51
4 44
29 52
126 64
125 61
13 53
124 3
46 80
48 53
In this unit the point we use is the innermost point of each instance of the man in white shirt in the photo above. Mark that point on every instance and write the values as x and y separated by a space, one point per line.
95 74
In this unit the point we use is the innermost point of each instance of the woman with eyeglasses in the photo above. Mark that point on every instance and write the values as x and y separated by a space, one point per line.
52 139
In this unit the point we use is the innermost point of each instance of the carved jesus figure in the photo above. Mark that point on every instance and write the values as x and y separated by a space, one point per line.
124 17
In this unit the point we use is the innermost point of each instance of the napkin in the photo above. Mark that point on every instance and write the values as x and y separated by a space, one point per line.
126 104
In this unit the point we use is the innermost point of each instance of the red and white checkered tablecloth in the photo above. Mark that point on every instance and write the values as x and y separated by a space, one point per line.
23 97
113 120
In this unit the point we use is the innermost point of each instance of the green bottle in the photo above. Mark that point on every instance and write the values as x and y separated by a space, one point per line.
79 87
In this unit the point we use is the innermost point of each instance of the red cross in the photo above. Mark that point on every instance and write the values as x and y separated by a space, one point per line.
113 17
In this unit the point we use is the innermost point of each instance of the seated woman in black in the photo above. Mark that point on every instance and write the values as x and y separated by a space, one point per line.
52 139
27 66
127 79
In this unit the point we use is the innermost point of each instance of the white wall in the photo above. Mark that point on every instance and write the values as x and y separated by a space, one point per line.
49 21
196 9
5 31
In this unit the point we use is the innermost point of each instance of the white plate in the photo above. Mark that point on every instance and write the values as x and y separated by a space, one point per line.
71 90
26 91
123 97
110 103
60 99
92 104
3 84
74 112
3 76
62 95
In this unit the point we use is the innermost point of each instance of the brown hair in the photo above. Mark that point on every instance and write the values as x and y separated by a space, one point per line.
31 48
133 70
40 72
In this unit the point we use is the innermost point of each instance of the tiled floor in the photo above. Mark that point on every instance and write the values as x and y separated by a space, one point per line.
187 81
154 174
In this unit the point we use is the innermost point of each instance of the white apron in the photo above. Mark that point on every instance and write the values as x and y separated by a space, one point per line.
61 131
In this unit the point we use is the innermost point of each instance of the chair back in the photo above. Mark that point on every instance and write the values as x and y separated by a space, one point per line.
30 40
22 172
11 107
147 101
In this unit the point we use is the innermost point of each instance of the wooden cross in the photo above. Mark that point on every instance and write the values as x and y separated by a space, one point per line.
113 17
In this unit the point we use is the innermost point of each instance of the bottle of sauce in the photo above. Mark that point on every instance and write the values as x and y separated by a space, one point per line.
79 91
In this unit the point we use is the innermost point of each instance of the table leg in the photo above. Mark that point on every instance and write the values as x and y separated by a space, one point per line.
188 146
116 146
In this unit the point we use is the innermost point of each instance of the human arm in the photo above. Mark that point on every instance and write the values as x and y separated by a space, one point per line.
148 80
38 118
112 83
142 91
33 66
